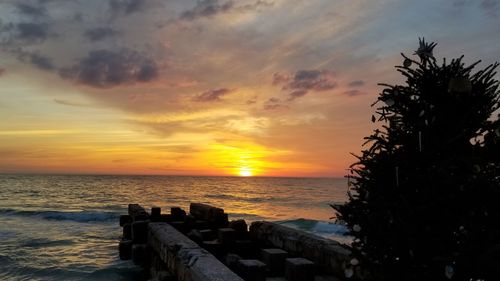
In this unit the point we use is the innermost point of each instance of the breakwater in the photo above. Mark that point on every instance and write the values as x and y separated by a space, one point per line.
203 245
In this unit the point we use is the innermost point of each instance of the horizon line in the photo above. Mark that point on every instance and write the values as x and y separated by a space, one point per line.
158 175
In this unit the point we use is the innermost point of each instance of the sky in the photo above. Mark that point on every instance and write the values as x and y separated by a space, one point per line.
212 87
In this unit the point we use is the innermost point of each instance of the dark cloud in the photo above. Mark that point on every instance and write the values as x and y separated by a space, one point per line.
274 104
304 81
31 10
356 83
313 80
212 95
209 8
104 69
99 33
33 32
41 62
353 93
127 6
490 7
296 94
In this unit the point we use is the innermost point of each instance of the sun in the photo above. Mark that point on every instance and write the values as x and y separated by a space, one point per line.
245 172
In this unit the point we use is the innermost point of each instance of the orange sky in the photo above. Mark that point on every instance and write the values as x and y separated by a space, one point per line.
267 88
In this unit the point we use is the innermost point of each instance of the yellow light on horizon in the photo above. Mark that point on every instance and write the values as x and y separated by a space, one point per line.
245 172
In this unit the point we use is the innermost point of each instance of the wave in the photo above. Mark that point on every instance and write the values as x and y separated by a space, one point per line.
241 198
321 228
44 242
78 216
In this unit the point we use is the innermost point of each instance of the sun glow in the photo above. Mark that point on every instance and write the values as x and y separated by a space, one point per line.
245 172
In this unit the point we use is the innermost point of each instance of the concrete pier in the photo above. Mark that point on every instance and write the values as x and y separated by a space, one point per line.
203 245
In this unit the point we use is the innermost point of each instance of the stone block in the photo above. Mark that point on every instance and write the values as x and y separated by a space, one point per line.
214 247
227 236
244 248
165 218
189 220
274 260
299 269
139 254
214 216
137 212
125 219
220 221
180 226
125 249
207 234
177 214
155 214
204 211
195 235
201 224
140 232
127 231
231 260
240 226
251 270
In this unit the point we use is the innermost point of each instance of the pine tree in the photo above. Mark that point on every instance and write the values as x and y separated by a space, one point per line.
424 199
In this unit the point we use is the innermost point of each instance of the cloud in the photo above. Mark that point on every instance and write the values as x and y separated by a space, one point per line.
207 8
353 93
274 104
314 80
210 8
490 7
105 69
31 10
127 6
304 81
41 62
212 95
356 83
296 94
99 33
33 32
71 103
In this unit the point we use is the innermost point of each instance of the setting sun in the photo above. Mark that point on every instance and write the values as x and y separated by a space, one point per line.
245 172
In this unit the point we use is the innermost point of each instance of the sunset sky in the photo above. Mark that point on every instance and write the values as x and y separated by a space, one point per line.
211 87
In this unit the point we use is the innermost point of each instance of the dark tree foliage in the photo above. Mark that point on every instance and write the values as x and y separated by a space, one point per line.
424 201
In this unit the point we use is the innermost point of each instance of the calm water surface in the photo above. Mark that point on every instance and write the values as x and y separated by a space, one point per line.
66 227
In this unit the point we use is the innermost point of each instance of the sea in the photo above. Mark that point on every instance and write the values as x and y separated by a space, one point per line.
65 227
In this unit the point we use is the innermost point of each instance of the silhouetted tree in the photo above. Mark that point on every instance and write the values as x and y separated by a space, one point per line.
424 201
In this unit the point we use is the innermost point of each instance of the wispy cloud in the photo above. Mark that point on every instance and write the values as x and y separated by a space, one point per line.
211 8
212 95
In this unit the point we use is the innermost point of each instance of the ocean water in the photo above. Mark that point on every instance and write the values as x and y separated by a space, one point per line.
66 227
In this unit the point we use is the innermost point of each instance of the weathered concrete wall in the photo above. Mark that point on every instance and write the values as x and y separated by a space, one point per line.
328 255
184 258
